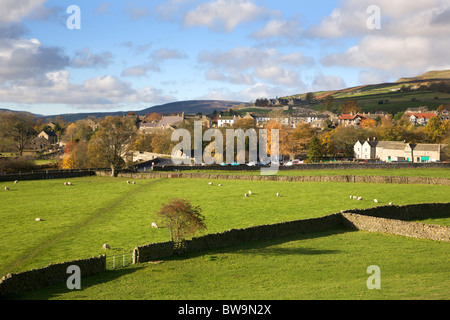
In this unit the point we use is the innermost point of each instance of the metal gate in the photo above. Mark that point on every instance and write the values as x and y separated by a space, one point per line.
119 261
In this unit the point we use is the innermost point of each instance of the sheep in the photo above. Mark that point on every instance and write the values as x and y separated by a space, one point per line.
375 200
210 183
16 182
154 225
360 198
7 189
351 197
278 194
245 195
249 192
220 184
67 183
128 182
134 182
390 203
106 246
355 197
38 219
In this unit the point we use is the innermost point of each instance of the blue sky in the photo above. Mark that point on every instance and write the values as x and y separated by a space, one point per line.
130 55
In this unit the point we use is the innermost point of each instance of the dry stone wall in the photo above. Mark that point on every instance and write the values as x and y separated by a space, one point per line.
52 274
332 178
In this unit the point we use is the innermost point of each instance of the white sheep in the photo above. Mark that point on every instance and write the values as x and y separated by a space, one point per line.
249 192
38 219
278 194
351 197
134 182
128 182
245 195
7 189
106 246
375 200
154 225
390 203
360 198
220 184
16 182
210 183
355 197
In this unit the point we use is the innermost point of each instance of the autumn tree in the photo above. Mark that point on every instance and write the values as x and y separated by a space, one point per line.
301 138
350 106
111 142
182 219
435 130
162 143
75 155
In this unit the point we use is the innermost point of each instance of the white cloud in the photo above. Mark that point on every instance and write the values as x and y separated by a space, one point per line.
84 58
413 37
15 11
101 92
279 29
245 65
22 59
325 83
225 14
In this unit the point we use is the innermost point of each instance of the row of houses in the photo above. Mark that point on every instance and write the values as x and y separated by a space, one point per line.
397 151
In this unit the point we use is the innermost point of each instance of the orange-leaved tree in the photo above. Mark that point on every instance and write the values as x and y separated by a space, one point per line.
182 219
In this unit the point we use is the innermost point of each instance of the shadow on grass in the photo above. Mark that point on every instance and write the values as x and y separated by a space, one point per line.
269 246
58 290
259 247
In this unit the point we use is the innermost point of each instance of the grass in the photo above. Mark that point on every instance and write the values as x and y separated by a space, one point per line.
322 266
79 219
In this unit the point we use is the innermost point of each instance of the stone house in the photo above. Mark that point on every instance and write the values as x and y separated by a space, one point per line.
393 151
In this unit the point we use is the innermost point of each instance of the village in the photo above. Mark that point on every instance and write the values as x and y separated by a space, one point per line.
418 136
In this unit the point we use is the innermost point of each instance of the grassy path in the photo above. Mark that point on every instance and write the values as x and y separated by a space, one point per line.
36 249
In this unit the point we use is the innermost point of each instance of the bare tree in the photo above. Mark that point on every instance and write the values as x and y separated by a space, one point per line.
17 129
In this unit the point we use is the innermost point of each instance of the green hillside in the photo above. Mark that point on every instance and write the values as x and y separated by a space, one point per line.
430 89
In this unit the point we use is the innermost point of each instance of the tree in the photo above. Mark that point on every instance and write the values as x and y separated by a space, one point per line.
182 219
315 150
75 155
111 142
329 102
435 130
17 129
350 105
309 98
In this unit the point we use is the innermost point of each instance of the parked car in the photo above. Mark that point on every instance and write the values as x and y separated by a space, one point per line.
251 164
289 163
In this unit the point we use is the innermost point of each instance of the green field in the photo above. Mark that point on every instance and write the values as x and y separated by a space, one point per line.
330 265
79 219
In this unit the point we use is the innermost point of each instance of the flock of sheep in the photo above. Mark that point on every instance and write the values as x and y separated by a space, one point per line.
248 194
361 198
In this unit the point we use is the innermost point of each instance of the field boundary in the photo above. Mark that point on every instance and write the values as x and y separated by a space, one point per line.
385 219
333 178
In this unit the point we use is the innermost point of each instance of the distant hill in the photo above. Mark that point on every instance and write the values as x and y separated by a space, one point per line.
188 107
430 75
192 107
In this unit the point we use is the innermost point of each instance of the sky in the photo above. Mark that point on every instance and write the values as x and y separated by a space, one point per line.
127 55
